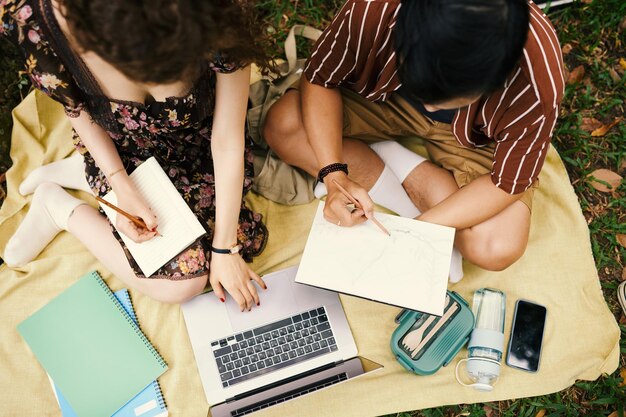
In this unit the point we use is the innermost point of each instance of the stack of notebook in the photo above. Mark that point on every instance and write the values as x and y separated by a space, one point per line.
100 362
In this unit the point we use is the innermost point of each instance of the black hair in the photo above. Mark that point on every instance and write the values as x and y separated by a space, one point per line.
450 49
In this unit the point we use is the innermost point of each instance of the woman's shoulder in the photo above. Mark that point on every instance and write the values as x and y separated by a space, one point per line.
22 22
17 19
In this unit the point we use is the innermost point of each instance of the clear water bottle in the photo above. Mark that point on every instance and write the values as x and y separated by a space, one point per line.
487 340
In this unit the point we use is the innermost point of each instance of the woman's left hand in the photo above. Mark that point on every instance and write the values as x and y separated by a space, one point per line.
231 273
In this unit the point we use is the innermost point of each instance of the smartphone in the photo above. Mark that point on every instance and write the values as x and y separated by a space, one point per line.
526 336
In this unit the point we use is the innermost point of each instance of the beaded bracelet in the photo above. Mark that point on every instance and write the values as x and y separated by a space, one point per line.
337 166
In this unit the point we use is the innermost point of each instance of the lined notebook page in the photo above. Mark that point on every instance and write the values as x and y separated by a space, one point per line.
178 225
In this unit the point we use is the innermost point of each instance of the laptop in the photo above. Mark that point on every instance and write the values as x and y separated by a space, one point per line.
298 341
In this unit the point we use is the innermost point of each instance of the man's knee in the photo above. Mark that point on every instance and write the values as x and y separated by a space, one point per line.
283 122
496 253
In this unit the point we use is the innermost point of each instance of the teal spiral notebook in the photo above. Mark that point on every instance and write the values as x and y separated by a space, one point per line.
148 403
91 348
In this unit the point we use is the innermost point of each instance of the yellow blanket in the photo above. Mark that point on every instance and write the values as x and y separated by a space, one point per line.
581 338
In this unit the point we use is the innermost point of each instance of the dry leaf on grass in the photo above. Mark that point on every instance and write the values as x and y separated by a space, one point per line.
622 373
589 124
488 411
606 176
541 413
624 274
621 238
614 75
567 48
622 63
603 130
576 75
613 414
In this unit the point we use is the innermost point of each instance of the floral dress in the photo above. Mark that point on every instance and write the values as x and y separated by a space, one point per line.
176 131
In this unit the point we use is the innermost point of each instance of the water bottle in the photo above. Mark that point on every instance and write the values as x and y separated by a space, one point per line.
487 339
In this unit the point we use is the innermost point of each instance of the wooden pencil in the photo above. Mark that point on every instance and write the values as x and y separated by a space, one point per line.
138 221
357 205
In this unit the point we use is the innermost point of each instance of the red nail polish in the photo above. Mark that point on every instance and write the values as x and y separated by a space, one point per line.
222 300
258 304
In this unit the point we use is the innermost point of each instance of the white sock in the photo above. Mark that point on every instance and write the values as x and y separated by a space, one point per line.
388 192
49 212
68 173
401 160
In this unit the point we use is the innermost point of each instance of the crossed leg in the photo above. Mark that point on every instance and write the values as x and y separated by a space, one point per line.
493 245
53 210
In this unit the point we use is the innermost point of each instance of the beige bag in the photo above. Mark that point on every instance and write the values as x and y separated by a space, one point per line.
275 179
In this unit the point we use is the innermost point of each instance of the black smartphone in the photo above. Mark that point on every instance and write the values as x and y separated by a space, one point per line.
526 336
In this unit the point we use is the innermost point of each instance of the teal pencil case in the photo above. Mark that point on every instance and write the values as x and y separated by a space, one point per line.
423 343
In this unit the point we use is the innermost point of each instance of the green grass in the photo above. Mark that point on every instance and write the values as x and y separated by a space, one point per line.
597 34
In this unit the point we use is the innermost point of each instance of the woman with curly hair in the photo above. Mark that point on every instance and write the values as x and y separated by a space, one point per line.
138 79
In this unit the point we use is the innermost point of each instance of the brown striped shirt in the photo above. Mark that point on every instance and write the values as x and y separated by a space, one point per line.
356 52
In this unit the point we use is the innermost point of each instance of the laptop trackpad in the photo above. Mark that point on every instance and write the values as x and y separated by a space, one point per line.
277 302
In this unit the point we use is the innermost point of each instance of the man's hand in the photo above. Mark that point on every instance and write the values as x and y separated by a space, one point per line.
337 209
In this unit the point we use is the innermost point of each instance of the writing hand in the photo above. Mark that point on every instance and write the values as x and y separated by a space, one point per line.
337 209
136 206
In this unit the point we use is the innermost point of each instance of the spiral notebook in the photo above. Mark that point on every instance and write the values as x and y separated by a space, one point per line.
89 345
148 403
178 225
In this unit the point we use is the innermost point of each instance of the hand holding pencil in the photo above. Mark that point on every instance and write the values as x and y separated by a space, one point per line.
139 228
344 193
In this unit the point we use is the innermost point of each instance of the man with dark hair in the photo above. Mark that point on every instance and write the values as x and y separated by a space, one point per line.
479 80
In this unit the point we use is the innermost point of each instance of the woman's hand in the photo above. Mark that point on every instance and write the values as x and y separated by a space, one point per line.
128 199
231 273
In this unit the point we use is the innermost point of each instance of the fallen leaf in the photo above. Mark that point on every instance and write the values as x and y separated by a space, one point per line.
624 274
602 130
613 414
607 176
622 63
589 124
541 413
622 24
622 373
614 75
567 48
621 238
488 411
586 1
576 75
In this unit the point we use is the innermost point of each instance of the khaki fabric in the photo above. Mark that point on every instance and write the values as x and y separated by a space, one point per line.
581 336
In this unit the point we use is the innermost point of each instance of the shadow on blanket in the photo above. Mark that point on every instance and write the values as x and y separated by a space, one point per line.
558 271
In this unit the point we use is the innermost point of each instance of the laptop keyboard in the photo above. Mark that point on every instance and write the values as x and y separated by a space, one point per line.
265 349
290 395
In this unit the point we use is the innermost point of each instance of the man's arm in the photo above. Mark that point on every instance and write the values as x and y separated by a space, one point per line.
478 201
322 114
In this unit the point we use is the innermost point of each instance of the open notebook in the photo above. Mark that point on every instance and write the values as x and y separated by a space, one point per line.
408 269
178 225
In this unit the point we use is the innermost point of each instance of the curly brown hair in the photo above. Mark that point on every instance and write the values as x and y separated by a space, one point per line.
163 41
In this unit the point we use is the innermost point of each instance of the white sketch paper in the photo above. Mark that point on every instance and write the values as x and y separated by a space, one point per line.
409 268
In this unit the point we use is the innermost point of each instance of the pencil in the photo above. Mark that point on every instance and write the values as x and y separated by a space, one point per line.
139 222
357 205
